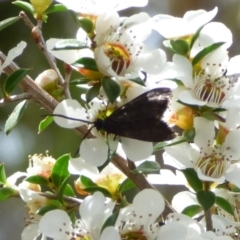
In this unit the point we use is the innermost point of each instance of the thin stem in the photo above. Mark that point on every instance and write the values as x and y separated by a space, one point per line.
14 98
208 219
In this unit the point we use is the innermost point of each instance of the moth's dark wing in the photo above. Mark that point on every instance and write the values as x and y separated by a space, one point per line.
148 129
153 102
141 118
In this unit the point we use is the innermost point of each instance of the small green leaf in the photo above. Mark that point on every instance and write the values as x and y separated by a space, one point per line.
189 134
192 178
60 171
45 123
192 210
70 44
45 209
7 22
62 189
37 179
147 167
68 191
111 88
15 116
26 6
86 63
195 37
92 93
111 220
206 199
180 46
86 24
13 79
225 205
161 145
56 8
126 185
104 191
204 52
3 177
87 182
138 81
6 193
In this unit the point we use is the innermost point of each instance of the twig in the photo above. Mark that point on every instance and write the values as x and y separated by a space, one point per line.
14 98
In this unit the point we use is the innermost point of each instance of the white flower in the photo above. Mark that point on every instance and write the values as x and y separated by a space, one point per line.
13 53
94 211
173 27
95 7
95 151
212 163
213 84
120 49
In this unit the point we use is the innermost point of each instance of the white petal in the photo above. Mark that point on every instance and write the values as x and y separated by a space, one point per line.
231 145
209 179
110 233
11 180
189 98
70 109
185 69
30 232
233 65
13 53
81 167
233 176
55 224
147 202
135 149
94 151
204 132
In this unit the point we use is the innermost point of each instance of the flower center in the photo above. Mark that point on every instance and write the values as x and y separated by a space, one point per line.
119 57
213 164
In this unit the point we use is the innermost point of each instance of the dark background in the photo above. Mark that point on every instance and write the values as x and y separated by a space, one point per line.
24 140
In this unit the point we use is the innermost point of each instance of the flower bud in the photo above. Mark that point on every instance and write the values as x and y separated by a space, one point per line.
40 6
47 80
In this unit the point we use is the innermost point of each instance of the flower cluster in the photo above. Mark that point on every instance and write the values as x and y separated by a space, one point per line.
130 98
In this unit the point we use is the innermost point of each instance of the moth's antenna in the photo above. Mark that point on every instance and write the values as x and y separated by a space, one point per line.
70 118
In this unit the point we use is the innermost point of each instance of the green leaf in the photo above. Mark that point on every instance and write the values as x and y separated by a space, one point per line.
92 93
15 116
147 167
161 145
86 24
138 81
195 37
206 199
7 22
180 46
56 8
3 177
86 63
192 210
203 53
189 134
70 44
111 220
37 179
6 193
168 45
68 191
60 171
46 209
62 189
224 204
87 182
45 123
111 88
13 79
126 185
192 178
104 191
26 6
